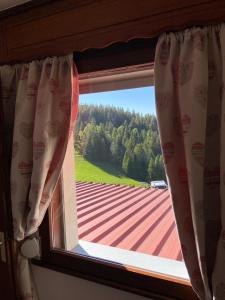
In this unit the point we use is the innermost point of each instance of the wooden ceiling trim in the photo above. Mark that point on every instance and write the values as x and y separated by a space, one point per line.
22 7
52 7
48 8
90 25
96 15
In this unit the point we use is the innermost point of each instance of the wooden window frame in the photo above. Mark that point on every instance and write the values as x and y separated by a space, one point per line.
134 280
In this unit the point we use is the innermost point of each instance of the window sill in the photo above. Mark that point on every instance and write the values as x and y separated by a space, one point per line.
157 286
132 260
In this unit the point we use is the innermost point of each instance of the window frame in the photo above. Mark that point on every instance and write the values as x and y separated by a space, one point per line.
157 286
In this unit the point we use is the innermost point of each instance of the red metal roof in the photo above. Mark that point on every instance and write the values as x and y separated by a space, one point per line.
131 218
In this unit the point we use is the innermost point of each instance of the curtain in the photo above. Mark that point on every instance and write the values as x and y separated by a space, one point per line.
190 100
40 103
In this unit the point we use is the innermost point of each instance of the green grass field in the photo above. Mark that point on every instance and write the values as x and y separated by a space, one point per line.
101 172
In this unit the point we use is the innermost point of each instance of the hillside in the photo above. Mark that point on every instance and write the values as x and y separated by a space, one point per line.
120 138
102 172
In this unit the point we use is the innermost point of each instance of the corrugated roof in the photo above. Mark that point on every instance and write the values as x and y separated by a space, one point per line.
131 218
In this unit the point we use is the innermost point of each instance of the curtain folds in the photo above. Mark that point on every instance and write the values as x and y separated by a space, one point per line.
190 100
40 103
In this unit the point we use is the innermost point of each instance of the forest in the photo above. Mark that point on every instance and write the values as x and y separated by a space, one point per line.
126 139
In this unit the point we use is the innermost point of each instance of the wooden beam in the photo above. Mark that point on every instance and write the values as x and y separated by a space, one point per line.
61 27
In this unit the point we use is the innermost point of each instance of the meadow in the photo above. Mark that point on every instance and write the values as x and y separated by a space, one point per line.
102 172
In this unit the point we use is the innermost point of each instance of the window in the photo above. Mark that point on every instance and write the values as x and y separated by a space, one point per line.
84 242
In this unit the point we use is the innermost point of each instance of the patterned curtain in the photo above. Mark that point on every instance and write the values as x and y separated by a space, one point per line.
40 102
190 99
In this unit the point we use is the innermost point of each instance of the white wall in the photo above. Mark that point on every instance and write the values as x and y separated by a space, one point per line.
53 285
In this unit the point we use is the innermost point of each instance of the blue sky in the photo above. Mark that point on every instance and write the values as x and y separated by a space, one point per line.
141 100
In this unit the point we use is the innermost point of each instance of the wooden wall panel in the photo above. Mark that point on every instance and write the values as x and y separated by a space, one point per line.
65 26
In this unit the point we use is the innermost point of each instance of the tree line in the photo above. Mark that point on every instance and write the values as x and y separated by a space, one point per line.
127 139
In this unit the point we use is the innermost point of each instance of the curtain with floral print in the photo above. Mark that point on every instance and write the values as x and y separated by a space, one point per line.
40 101
190 100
